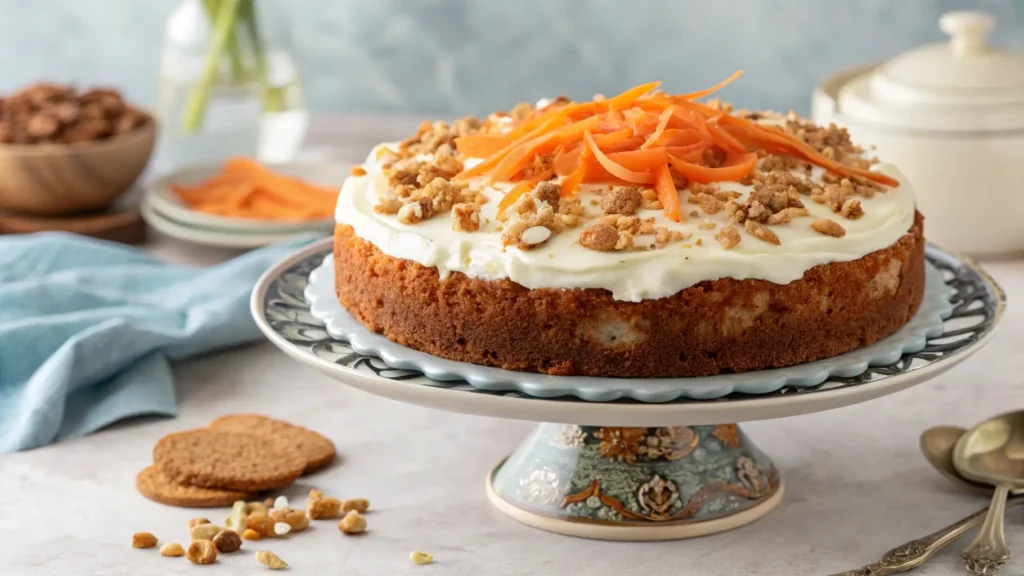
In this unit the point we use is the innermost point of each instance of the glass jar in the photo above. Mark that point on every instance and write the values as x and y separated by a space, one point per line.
228 85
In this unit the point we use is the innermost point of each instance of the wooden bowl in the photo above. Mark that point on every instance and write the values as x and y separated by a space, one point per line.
59 179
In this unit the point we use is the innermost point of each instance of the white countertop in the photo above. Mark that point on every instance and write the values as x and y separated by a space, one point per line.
856 483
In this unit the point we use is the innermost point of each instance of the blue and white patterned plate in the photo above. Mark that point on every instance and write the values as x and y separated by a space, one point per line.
912 339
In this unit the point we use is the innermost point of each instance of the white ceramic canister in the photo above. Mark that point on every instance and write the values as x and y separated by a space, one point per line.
951 117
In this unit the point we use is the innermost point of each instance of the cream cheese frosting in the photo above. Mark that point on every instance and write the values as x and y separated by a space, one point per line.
632 275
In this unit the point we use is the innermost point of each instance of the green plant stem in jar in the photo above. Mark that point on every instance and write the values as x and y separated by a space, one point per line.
234 26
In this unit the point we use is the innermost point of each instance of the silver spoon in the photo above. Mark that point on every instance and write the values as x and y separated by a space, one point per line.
993 453
937 446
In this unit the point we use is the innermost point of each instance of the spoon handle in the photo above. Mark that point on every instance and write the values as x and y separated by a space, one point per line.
988 552
912 554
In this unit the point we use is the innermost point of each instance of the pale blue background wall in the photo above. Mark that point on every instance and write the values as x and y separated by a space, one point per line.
451 56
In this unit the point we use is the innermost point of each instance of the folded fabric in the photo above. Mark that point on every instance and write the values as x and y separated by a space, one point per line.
87 329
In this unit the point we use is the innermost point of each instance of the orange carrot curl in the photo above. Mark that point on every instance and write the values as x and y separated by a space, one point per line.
638 137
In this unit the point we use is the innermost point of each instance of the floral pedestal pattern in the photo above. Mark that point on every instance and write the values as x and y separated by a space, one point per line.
636 483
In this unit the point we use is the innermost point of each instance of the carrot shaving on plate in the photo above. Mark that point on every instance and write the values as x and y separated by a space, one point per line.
637 137
245 189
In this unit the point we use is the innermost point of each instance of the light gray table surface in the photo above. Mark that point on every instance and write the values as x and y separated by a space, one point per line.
856 483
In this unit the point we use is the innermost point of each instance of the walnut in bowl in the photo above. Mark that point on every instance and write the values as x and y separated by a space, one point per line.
64 151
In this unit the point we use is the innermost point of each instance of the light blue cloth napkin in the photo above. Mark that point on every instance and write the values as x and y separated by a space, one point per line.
87 328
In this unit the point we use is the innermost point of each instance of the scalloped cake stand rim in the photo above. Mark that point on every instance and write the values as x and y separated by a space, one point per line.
606 413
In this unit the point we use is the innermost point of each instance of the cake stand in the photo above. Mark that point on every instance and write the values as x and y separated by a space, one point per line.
626 469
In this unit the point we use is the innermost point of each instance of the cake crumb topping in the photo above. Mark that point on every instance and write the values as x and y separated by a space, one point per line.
433 135
465 217
605 237
649 199
624 200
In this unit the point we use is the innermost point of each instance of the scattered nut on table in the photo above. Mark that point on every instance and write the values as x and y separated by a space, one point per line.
201 552
360 505
322 508
227 541
420 558
263 524
196 522
352 523
204 531
256 508
281 528
172 550
143 540
251 534
270 560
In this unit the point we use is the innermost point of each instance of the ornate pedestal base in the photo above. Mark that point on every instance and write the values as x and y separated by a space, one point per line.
636 483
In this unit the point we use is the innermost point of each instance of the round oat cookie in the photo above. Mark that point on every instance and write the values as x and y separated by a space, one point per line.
315 448
228 460
155 485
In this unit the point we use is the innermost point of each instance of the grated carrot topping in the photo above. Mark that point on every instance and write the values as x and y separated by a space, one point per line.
637 137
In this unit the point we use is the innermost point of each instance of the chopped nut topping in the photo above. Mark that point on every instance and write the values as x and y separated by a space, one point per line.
712 189
646 226
786 215
433 135
729 237
663 236
708 203
772 193
623 200
706 225
629 224
829 228
851 209
625 241
782 162
650 199
465 217
358 171
388 206
410 213
602 237
544 217
571 206
548 192
535 235
831 141
762 233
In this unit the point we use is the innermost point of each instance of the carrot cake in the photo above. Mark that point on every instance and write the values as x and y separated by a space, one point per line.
642 235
